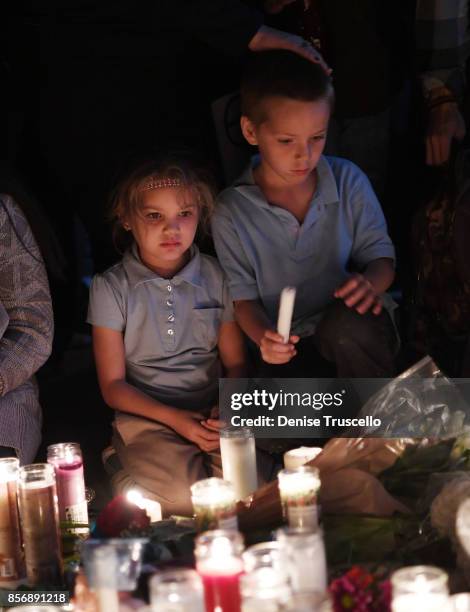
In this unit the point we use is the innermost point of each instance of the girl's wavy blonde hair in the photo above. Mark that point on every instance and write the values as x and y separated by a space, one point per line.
127 197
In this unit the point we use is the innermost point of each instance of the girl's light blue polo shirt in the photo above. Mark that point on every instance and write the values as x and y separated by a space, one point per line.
263 248
170 326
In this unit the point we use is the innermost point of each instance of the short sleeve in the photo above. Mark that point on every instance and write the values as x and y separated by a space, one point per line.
232 257
105 306
371 239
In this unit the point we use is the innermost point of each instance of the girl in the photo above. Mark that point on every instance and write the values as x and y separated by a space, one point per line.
162 327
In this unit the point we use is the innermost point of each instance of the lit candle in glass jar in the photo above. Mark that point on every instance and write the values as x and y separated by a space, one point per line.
300 456
420 587
299 489
238 452
176 590
11 554
214 504
67 460
219 563
151 507
39 517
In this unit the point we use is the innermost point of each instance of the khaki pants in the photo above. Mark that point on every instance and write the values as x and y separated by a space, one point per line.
164 465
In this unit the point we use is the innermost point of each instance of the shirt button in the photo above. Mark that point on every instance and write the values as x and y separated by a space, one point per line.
171 318
169 303
169 287
170 332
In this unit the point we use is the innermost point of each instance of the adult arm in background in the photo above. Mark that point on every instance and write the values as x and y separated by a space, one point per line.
233 27
442 49
24 293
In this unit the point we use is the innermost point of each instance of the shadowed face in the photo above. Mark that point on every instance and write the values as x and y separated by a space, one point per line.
290 139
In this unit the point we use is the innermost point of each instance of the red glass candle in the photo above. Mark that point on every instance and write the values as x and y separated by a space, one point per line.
219 563
67 460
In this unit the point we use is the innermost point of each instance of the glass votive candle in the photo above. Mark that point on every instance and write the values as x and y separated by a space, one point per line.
176 590
66 457
39 518
460 602
420 587
304 558
238 452
300 456
265 589
11 553
214 504
219 563
264 554
125 555
299 489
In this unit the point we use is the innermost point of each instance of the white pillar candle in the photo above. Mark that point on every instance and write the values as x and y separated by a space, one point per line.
299 489
286 309
151 507
460 602
420 587
238 451
304 557
11 555
105 565
300 456
214 504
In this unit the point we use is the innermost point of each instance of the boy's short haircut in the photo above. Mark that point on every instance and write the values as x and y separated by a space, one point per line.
280 73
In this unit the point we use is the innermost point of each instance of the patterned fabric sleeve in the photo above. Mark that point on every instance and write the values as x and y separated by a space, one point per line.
442 44
24 294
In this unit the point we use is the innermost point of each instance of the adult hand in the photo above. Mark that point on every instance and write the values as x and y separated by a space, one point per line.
445 124
269 38
188 425
274 350
359 293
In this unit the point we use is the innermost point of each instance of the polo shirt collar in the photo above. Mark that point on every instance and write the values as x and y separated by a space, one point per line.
326 192
138 273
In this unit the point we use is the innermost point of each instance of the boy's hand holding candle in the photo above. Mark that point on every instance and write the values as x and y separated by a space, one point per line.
278 348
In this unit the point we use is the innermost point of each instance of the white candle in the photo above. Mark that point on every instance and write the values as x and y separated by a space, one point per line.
11 556
286 308
238 451
106 571
300 456
460 602
304 558
420 587
298 489
214 504
151 507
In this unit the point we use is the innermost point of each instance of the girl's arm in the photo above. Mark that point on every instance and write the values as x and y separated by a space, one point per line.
232 350
108 348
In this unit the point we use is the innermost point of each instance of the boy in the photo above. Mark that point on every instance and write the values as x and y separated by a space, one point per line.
298 218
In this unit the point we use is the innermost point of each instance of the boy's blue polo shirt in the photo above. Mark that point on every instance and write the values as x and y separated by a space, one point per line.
263 248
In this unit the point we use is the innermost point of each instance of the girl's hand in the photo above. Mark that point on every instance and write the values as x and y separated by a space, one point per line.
359 293
188 425
273 350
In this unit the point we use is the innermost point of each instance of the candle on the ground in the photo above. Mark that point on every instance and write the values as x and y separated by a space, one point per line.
300 456
176 590
214 504
219 563
238 451
265 585
299 489
286 309
151 507
420 587
67 460
39 517
105 566
11 554
304 559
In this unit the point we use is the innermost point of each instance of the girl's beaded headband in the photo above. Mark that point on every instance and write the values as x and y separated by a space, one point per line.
162 183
